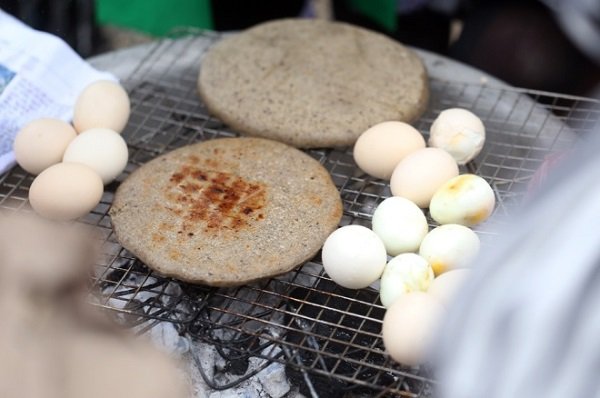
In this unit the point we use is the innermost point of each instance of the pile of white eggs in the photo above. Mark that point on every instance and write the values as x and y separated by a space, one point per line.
74 162
425 268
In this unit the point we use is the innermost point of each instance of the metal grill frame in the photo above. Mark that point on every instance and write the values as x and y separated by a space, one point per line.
328 335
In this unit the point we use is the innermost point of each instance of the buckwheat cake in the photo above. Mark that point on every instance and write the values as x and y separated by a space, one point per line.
227 211
311 83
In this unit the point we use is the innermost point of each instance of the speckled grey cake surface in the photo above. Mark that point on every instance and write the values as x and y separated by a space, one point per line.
311 83
227 211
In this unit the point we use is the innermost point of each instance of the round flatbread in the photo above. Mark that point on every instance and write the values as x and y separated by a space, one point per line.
311 83
227 211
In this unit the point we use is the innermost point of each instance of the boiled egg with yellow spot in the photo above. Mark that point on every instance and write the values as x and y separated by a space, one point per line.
449 247
466 199
407 272
459 132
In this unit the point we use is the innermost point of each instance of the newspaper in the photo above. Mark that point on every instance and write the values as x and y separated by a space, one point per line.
40 76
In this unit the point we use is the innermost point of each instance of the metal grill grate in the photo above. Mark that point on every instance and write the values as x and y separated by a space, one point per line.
327 336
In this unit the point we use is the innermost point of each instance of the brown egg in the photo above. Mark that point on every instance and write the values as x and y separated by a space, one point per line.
103 104
379 149
65 191
42 143
445 286
409 326
418 176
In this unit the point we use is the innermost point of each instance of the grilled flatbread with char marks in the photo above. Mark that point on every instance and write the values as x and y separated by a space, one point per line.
227 212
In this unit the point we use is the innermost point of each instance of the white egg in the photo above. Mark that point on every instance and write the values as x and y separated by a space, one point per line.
449 247
102 104
65 191
353 256
103 150
409 327
400 224
467 200
421 173
405 273
42 143
379 149
459 132
445 286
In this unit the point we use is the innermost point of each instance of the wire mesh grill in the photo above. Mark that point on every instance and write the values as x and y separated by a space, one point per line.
327 336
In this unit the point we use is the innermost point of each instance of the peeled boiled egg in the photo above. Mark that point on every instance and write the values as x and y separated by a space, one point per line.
103 150
102 104
42 143
449 247
379 149
409 326
353 256
467 200
407 272
459 132
421 173
400 224
445 286
65 191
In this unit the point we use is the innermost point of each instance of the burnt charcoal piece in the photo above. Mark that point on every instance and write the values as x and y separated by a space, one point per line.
337 332
325 386
237 366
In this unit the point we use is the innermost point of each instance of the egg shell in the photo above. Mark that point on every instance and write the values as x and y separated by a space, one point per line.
65 191
353 256
460 132
405 273
379 149
449 247
446 286
103 150
467 200
421 173
42 143
102 104
409 327
400 224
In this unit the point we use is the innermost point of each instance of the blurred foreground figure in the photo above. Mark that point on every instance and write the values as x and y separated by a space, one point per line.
527 323
54 345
